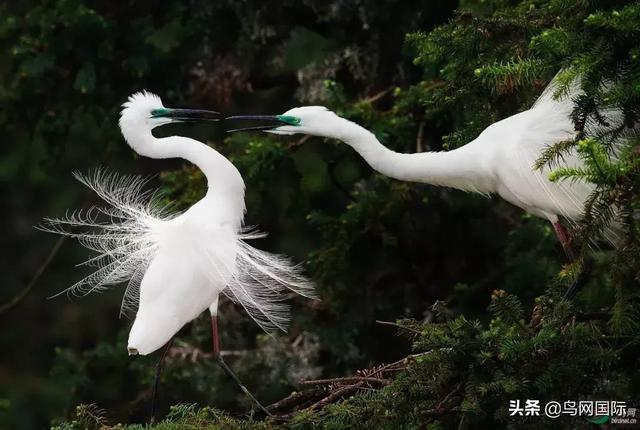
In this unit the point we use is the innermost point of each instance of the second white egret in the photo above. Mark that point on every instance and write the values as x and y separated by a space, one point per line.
500 160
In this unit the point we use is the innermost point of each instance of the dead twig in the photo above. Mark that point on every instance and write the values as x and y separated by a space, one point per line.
15 301
377 96
442 403
299 399
185 351
294 145
392 324
336 389
419 137
336 395
346 380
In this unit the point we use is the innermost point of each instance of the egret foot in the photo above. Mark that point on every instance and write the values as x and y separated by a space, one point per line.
216 353
156 380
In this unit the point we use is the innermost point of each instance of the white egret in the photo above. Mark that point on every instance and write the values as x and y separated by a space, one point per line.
500 160
178 264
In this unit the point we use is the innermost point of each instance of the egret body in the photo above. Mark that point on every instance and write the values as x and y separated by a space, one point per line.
178 264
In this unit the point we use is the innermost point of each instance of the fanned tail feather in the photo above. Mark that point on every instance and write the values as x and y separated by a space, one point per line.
259 281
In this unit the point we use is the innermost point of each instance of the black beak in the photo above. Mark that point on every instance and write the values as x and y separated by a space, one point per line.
276 122
193 115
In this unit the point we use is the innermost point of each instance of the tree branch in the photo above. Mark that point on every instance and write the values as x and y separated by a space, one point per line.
347 379
15 301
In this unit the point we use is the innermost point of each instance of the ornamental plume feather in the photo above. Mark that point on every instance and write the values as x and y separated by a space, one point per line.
136 225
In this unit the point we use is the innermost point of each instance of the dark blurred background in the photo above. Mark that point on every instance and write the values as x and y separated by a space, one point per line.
378 249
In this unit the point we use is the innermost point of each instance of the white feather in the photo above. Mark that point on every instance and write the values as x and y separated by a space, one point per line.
129 233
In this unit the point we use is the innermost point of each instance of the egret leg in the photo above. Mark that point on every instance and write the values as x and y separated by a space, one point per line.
156 379
226 368
565 240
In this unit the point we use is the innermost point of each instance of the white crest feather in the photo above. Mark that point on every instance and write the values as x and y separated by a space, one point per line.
142 97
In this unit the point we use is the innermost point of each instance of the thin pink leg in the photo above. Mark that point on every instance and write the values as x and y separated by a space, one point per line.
565 240
214 336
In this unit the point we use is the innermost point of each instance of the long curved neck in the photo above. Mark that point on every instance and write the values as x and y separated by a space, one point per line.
223 178
461 168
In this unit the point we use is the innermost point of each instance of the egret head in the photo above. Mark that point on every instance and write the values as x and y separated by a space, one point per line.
312 120
144 109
